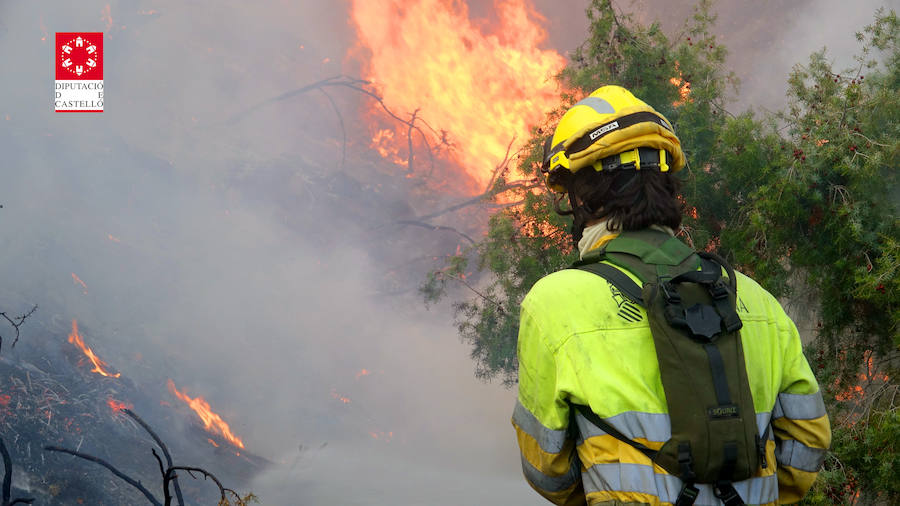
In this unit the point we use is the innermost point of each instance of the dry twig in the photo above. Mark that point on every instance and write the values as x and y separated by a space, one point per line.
127 479
16 322
168 473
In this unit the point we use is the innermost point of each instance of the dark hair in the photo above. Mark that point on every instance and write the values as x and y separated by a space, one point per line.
630 199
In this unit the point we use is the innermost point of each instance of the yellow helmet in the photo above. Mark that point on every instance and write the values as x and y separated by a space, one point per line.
605 131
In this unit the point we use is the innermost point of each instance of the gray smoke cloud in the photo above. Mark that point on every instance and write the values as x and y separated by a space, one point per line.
765 39
220 248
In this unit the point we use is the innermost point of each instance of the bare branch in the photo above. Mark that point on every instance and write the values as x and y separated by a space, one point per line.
500 166
870 140
162 472
127 479
341 121
328 81
409 132
16 322
162 447
484 297
354 84
170 475
422 224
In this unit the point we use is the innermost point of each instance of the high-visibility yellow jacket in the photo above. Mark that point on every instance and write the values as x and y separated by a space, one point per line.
580 340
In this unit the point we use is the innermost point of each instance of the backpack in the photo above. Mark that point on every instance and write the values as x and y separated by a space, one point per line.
695 328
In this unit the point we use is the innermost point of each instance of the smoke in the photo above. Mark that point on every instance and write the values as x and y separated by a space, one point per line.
764 39
227 247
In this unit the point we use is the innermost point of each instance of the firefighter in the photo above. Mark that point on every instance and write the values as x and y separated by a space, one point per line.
602 398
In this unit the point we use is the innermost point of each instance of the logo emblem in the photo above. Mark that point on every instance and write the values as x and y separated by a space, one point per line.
605 128
79 72
79 56
628 310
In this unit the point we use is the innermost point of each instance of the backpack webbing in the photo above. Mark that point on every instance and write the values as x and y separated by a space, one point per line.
695 329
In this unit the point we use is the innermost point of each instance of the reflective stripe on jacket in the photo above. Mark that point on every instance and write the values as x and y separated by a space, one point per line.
581 341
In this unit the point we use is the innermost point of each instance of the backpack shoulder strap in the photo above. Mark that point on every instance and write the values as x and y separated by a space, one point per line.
650 246
615 276
648 254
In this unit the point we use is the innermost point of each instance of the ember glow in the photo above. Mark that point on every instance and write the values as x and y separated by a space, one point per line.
871 375
387 147
335 395
212 422
384 436
106 17
484 84
117 406
78 281
684 87
100 367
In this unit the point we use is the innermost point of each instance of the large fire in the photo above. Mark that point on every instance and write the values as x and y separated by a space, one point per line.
484 84
212 422
100 367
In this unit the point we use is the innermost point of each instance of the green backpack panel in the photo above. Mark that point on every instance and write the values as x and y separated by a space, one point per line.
696 331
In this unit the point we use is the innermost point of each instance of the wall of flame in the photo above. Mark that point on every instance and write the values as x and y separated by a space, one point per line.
483 82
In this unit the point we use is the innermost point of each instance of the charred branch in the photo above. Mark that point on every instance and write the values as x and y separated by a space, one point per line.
493 189
16 322
361 86
162 446
124 477
409 132
340 117
170 475
7 478
429 226
478 199
167 471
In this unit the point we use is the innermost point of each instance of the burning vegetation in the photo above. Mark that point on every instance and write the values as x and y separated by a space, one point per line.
479 84
100 367
69 401
212 422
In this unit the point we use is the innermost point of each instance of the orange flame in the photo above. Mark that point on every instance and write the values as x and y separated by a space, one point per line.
212 442
99 365
117 406
212 422
484 84
113 238
77 280
383 142
684 88
363 372
870 375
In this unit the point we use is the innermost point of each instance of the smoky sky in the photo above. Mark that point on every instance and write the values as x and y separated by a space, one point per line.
765 38
229 248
